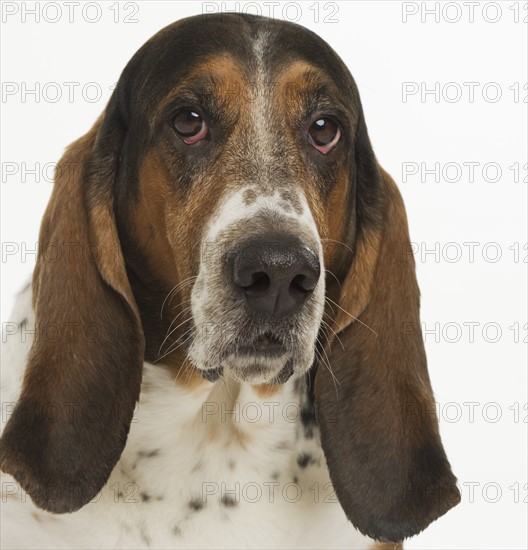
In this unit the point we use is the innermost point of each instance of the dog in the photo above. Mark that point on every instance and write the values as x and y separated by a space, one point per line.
224 343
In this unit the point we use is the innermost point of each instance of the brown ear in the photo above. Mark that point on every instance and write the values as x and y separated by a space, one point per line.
83 375
378 425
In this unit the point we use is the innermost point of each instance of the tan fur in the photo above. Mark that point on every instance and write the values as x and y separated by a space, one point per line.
382 383
333 243
36 517
292 84
357 287
390 471
387 546
169 225
267 390
84 294
225 75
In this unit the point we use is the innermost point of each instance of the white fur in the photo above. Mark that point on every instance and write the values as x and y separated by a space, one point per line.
185 445
274 206
215 321
200 446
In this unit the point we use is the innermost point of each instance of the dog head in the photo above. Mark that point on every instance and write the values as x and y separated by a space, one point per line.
231 220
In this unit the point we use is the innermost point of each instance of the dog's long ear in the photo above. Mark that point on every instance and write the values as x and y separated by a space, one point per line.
83 375
379 429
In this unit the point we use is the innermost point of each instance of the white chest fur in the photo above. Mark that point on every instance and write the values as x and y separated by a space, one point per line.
218 466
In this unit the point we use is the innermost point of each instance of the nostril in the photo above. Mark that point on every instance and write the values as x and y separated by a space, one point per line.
302 283
259 282
273 278
297 284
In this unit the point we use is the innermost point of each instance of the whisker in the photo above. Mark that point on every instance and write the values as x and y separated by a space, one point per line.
339 242
187 308
173 291
172 349
333 310
169 331
350 315
321 359
174 330
182 312
186 284
330 273
324 323
171 346
187 369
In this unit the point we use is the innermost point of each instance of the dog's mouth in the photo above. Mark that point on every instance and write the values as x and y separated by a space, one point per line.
253 374
266 345
264 358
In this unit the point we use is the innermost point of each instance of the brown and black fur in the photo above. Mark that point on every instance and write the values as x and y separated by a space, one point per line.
140 199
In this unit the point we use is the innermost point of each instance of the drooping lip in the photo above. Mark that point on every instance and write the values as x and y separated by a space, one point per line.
265 345
257 357
260 374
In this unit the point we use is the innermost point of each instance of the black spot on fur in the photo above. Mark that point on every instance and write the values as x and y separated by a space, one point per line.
144 454
308 421
148 454
145 497
295 479
275 475
305 459
176 530
297 384
196 505
308 418
229 501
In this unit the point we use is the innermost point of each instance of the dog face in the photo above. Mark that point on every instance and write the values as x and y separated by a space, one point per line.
244 180
241 224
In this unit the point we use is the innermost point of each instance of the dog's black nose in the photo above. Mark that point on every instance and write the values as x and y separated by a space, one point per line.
275 274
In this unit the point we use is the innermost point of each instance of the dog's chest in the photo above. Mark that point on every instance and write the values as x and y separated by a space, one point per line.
222 466
217 466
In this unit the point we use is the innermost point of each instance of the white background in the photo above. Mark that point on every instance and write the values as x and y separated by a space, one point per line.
386 53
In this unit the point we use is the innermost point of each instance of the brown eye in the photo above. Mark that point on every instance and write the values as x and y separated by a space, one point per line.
190 126
324 133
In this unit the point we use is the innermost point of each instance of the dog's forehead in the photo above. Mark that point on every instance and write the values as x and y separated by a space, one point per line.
251 43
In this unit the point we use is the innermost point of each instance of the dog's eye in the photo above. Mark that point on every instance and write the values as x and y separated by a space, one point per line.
190 126
324 133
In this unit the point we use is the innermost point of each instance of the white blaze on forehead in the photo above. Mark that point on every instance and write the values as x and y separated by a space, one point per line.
260 100
237 213
234 209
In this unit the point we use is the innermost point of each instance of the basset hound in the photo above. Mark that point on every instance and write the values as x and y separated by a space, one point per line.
222 343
